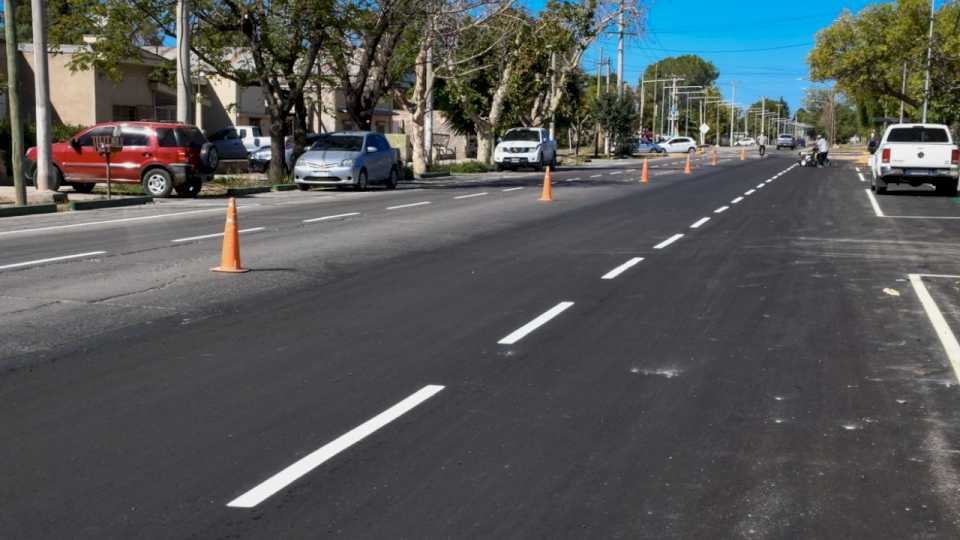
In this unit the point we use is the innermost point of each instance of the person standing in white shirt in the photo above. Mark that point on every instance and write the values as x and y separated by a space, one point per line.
822 149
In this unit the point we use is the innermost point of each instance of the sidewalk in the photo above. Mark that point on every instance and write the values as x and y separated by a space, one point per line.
9 196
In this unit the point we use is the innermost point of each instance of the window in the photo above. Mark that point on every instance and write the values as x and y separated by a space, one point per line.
242 134
528 135
132 137
87 138
166 138
350 143
190 137
381 143
918 134
255 131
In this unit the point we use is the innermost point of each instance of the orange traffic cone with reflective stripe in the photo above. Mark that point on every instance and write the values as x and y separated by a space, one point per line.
230 258
547 195
645 175
686 168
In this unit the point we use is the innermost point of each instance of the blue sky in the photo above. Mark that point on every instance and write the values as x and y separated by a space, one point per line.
708 27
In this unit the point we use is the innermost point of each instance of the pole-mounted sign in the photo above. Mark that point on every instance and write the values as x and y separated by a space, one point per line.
107 146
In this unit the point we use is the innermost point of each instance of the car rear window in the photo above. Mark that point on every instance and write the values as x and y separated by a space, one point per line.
190 137
918 134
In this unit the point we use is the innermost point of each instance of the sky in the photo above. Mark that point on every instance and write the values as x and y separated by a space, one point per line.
729 34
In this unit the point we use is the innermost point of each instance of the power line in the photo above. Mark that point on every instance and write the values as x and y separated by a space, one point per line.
725 51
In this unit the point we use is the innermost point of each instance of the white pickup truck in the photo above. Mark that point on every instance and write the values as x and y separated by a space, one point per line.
525 147
916 154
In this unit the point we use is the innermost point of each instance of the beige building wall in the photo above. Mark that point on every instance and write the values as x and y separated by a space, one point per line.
132 90
72 94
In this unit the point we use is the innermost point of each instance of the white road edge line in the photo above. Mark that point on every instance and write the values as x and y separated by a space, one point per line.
411 205
947 338
721 210
215 235
622 268
52 259
512 189
311 461
874 203
860 174
472 195
668 241
541 320
735 201
699 223
335 216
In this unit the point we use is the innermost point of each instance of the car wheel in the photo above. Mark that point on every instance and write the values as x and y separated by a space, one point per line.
361 184
189 189
393 179
691 150
209 157
304 187
83 187
538 166
157 183
497 167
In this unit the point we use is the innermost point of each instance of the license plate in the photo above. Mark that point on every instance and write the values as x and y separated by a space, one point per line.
917 172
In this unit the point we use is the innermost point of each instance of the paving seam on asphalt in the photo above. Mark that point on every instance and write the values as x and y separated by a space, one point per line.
52 259
311 461
335 216
536 323
622 268
940 326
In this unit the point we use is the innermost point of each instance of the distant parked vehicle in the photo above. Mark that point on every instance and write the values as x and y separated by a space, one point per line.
916 154
348 158
785 140
260 158
525 147
647 147
746 141
680 144
237 142
160 156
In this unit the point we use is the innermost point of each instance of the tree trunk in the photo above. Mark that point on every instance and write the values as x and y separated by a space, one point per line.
278 131
418 111
299 127
485 144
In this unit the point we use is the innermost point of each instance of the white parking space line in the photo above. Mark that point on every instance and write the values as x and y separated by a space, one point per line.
311 461
335 216
735 201
541 320
699 223
940 326
749 192
668 241
411 205
860 174
108 221
472 195
874 203
216 235
721 210
512 189
52 259
622 268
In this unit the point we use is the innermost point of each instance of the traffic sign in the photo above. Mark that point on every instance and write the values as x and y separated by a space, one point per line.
704 128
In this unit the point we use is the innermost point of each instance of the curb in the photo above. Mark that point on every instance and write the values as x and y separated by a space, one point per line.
240 192
284 187
28 210
434 174
109 203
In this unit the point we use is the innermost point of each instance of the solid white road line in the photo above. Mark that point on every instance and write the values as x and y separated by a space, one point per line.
949 341
541 320
411 205
874 203
749 192
735 201
311 461
216 235
622 268
860 174
471 195
512 189
668 241
120 220
721 210
699 223
335 216
51 259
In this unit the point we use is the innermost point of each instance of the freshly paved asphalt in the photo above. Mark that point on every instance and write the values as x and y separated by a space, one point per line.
770 374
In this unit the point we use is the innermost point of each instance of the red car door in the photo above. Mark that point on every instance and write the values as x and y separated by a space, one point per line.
125 165
81 160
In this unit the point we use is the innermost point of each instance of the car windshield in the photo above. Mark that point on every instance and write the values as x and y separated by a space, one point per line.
527 135
918 134
346 143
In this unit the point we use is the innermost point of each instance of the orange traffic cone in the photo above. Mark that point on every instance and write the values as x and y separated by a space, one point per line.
713 158
547 195
645 175
743 154
686 168
230 259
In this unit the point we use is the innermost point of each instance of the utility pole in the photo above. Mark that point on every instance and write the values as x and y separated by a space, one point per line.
926 83
903 89
733 112
642 92
763 115
553 90
13 100
620 53
596 139
428 114
41 77
183 62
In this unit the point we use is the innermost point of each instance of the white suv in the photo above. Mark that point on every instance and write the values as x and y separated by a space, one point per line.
680 144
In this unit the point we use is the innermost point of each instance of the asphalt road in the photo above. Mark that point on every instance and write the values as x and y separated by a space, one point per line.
490 366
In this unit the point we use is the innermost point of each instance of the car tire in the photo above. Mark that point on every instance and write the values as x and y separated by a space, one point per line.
56 179
393 179
304 187
189 189
83 187
209 158
691 150
361 184
157 183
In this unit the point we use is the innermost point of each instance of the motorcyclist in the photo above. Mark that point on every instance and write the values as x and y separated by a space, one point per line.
822 149
762 144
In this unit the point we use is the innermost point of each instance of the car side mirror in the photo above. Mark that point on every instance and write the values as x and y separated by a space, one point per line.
371 149
75 143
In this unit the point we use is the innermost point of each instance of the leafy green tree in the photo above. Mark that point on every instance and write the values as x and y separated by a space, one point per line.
617 117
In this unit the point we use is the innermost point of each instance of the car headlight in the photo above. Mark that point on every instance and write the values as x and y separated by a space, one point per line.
346 163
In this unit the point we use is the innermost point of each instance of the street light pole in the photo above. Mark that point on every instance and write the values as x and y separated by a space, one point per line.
183 62
41 77
733 111
926 84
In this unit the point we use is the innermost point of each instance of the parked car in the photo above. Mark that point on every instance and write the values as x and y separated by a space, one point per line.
160 156
237 142
647 147
349 158
260 158
916 154
525 147
785 140
746 141
680 144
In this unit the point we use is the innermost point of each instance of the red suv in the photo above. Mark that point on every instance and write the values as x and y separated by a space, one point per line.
161 157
